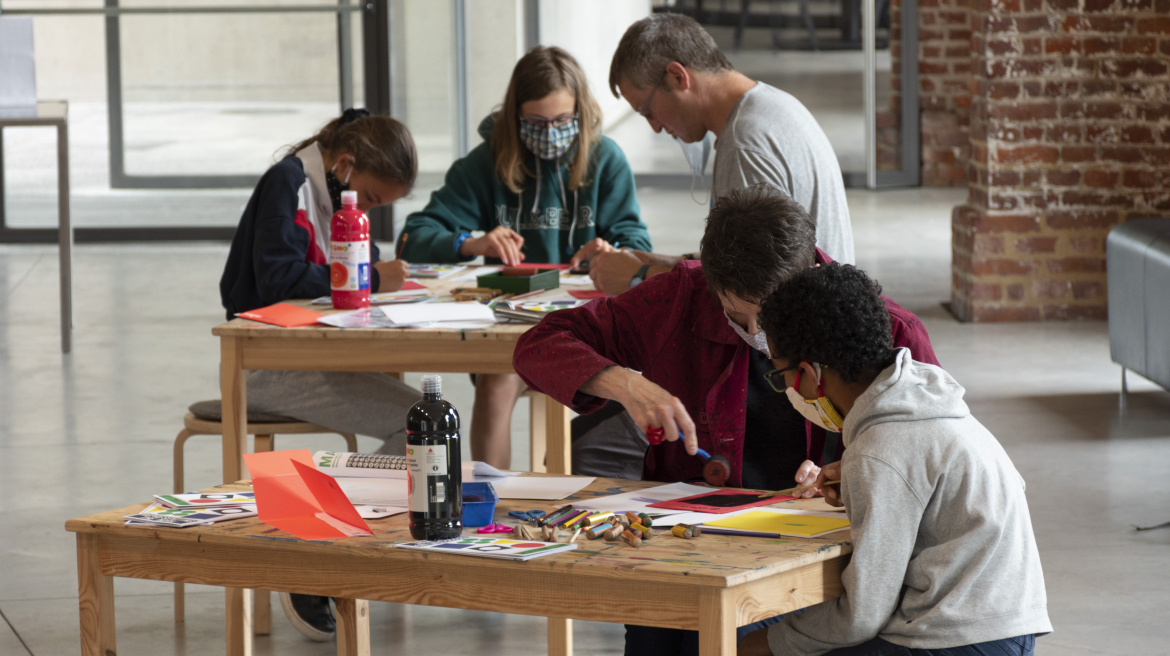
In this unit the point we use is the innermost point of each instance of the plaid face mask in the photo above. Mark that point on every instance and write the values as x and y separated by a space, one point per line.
549 142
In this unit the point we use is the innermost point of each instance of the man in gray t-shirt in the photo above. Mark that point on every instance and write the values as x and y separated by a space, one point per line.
670 70
770 137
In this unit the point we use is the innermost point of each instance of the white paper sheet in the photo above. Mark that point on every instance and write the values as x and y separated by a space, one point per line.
576 280
375 491
546 488
360 318
470 276
438 312
640 500
378 512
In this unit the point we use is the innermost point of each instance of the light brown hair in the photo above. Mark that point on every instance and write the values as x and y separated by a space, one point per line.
653 42
379 145
540 72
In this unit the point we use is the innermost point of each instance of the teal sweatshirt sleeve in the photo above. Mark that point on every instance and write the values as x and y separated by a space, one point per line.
461 205
619 220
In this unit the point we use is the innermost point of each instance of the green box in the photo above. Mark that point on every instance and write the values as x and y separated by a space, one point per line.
545 279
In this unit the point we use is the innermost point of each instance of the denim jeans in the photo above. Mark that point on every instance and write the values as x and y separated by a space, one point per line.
1017 646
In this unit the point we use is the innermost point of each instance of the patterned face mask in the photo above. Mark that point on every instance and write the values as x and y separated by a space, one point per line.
549 141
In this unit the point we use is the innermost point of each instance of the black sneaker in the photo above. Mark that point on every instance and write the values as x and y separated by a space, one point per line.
309 614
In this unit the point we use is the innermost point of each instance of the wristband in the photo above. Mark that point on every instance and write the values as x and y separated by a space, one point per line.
463 236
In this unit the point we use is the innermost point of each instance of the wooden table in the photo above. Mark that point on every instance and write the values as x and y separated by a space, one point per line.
248 345
713 584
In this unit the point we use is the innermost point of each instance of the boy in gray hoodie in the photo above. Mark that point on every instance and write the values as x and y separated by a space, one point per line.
944 560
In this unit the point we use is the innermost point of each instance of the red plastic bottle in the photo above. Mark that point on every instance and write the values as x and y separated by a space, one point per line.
349 255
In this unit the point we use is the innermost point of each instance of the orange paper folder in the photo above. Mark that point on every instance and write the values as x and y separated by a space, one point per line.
283 314
293 496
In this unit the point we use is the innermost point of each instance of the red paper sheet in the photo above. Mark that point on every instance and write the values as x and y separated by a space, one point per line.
293 496
410 286
283 314
587 294
719 501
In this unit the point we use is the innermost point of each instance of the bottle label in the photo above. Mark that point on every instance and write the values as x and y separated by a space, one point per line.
349 270
426 467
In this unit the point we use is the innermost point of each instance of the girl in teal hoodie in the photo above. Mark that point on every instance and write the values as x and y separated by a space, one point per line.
545 187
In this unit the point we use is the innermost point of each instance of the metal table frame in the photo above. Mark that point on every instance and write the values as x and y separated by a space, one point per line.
49 113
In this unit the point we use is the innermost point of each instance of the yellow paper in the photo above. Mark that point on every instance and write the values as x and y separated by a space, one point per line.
763 521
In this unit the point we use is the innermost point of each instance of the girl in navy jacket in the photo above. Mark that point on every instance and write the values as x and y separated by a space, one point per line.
280 252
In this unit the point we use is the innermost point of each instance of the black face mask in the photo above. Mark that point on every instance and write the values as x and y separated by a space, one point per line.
335 188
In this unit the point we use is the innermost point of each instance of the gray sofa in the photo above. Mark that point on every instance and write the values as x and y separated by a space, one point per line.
1138 261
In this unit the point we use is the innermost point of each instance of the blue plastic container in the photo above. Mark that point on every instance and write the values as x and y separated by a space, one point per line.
479 513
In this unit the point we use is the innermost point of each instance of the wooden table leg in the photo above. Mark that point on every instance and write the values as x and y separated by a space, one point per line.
233 389
560 636
239 621
716 623
558 437
261 612
538 430
95 597
353 627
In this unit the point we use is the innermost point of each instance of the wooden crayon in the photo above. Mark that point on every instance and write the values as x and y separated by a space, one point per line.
594 520
631 539
680 531
615 532
555 516
597 531
632 517
646 520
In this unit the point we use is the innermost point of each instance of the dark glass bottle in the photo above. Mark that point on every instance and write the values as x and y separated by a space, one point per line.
434 465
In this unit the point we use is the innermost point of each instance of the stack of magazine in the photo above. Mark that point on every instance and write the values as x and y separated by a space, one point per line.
194 509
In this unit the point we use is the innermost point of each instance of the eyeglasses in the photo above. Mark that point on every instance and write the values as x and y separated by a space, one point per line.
775 378
557 122
645 110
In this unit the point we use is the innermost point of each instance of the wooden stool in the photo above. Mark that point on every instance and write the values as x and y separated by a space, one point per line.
205 418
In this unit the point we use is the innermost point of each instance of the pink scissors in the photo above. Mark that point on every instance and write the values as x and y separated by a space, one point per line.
495 528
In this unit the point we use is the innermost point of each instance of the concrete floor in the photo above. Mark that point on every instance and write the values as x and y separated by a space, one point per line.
93 431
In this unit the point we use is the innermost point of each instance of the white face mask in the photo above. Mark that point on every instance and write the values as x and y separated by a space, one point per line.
696 155
759 341
819 411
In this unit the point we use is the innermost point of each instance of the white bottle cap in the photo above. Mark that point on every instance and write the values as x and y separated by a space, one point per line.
432 384
348 198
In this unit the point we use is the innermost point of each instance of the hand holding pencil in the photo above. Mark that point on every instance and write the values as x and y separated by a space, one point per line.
827 482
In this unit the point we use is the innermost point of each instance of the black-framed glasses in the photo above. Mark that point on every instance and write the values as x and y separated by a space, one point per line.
775 378
645 109
557 122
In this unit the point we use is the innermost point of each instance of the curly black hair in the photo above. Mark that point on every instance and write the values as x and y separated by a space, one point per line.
832 314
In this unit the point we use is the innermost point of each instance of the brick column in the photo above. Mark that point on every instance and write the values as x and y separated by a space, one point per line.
1070 135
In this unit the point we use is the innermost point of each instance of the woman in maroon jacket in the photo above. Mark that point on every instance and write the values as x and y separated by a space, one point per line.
688 333
693 335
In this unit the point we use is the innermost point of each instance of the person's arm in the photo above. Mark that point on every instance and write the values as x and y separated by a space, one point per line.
280 246
582 356
460 206
884 529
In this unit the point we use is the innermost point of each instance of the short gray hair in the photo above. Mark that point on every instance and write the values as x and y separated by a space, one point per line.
653 42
